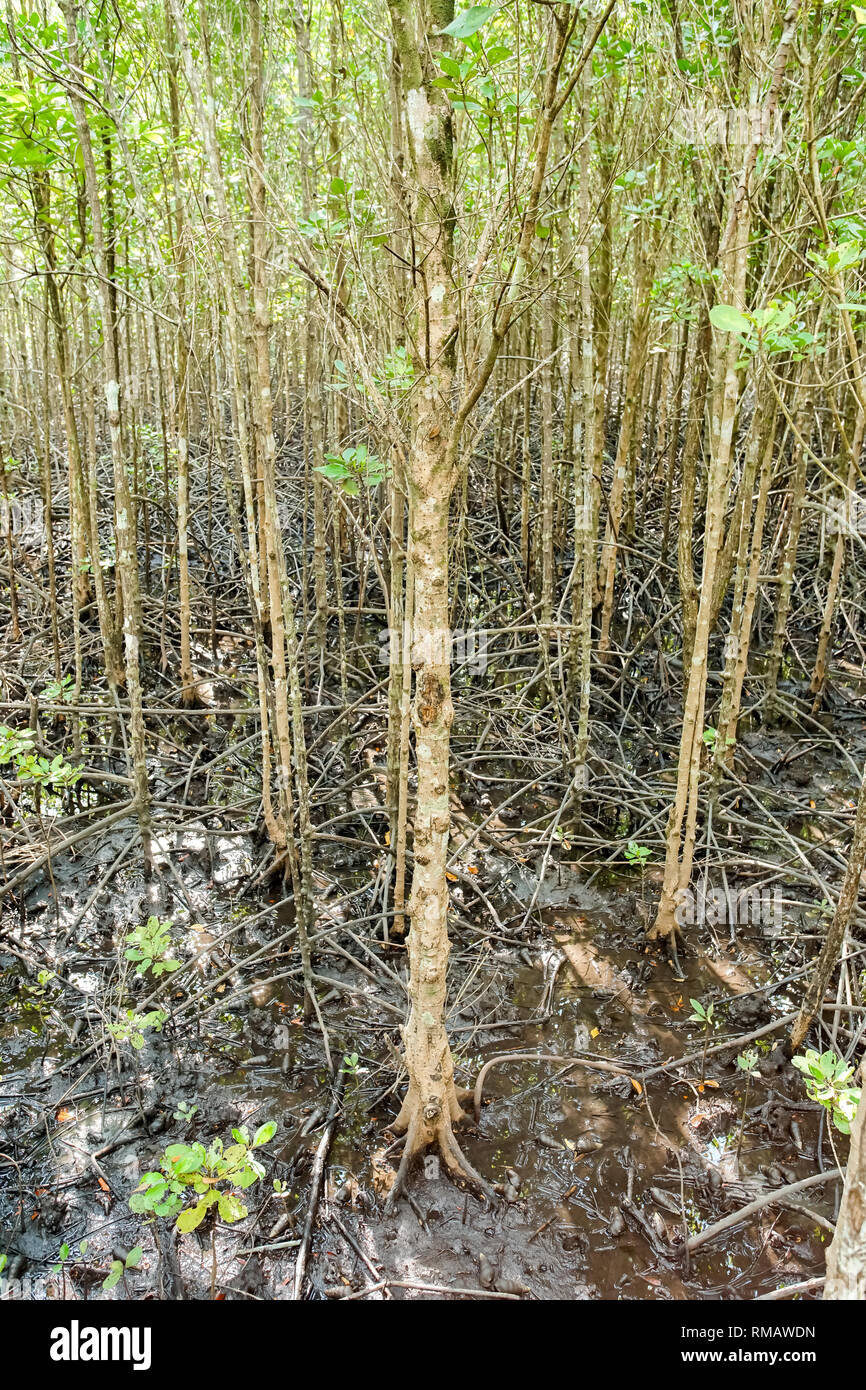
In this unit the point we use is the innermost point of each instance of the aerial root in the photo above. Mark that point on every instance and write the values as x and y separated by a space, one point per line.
459 1164
419 1138
669 940
672 947
410 1148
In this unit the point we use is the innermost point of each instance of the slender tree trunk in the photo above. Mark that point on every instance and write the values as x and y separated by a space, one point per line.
547 479
745 595
586 490
312 351
688 489
819 673
796 498
733 260
181 385
634 373
829 957
127 551
431 1105
679 840
846 1257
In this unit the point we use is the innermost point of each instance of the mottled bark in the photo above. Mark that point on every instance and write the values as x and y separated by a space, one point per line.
431 1105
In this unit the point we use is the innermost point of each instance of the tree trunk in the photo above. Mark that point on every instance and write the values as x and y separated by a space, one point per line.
829 957
125 531
431 1105
846 1258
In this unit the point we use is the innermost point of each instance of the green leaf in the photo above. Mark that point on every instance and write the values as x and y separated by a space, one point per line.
134 1257
231 1208
265 1133
469 22
193 1216
183 1159
841 257
727 319
115 1275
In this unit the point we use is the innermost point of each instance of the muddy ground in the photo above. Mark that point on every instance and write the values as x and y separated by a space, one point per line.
603 1178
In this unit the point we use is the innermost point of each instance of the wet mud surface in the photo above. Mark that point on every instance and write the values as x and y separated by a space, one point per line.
602 1178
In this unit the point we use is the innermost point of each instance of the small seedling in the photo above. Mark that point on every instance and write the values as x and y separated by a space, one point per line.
746 1062
704 1016
351 468
700 1014
131 1028
149 947
64 689
215 1175
351 1065
119 1268
184 1112
17 746
47 772
63 1255
35 997
637 854
827 1076
14 743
